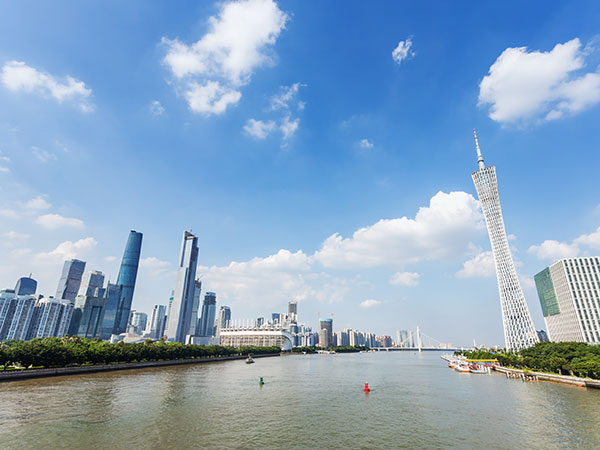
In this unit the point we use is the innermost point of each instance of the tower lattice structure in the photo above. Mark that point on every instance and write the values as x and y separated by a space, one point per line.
519 331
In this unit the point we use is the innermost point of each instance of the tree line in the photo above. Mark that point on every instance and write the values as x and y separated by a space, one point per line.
565 358
69 351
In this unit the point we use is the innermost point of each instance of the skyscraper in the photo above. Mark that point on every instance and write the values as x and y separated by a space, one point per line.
156 324
207 319
569 292
519 331
70 280
181 308
112 296
325 332
195 306
26 286
126 279
293 311
91 284
223 318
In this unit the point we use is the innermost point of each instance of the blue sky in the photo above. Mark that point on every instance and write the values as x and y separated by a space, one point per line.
321 152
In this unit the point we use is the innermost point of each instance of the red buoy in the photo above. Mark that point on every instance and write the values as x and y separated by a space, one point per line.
367 387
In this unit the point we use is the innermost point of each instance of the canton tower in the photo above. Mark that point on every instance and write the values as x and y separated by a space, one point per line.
519 331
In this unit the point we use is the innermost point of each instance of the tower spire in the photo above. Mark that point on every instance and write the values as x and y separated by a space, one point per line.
479 157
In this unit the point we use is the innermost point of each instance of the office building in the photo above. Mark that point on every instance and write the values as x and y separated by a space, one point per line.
92 284
194 321
52 318
569 293
112 295
26 286
223 319
402 338
276 318
16 316
325 332
267 336
169 311
519 331
156 324
207 319
293 311
181 307
260 322
138 323
126 280
70 280
542 336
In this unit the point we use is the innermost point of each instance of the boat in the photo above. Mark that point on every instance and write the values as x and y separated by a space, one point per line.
479 368
249 360
462 367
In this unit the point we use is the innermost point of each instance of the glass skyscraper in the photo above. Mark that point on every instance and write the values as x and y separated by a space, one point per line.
519 331
70 280
26 286
209 310
126 280
180 313
112 295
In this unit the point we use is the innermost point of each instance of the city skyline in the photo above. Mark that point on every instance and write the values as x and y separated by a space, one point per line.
331 169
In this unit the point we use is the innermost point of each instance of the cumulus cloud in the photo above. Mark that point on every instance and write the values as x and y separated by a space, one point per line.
211 71
287 95
443 229
4 169
591 240
15 236
67 250
56 221
553 250
365 143
18 76
523 85
258 128
403 51
43 156
480 265
156 109
370 303
154 267
289 127
38 202
405 278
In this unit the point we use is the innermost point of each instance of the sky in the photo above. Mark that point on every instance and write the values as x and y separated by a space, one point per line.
321 152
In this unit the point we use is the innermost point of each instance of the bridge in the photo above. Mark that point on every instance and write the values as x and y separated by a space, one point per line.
423 342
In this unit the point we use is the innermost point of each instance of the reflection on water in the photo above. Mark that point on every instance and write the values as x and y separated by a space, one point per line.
308 401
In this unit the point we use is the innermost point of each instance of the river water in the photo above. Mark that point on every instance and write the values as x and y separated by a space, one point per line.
307 402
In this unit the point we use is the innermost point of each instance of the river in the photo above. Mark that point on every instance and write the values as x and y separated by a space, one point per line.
307 402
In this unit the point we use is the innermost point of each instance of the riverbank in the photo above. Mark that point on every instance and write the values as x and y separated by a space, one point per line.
565 379
14 375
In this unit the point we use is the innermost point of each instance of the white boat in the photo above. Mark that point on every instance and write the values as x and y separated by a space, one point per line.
249 360
462 367
480 369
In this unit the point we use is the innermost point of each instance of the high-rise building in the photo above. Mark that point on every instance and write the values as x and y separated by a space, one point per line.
156 324
26 286
569 293
181 308
260 322
112 294
293 311
402 338
139 320
195 306
92 284
88 314
223 318
325 332
169 312
126 279
70 280
276 317
207 319
16 316
519 331
53 318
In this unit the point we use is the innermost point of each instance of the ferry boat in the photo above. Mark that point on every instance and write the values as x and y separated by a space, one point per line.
462 367
249 360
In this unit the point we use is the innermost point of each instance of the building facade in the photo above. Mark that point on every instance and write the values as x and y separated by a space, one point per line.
325 332
26 286
70 280
194 321
223 319
156 324
519 331
569 293
126 280
272 336
209 311
180 314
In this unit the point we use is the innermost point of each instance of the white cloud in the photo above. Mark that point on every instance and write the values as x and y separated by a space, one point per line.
4 169
365 143
156 109
9 213
480 265
15 236
523 85
289 127
258 128
67 250
285 97
18 76
110 258
553 250
20 252
55 221
441 230
42 155
370 303
403 51
4 158
591 240
238 41
38 202
154 267
405 278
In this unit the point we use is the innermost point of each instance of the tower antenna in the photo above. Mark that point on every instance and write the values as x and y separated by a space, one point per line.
479 157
